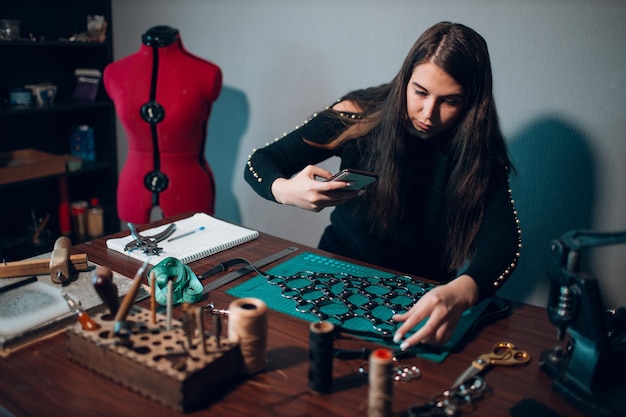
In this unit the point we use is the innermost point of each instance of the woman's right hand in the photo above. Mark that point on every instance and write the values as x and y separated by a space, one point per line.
304 190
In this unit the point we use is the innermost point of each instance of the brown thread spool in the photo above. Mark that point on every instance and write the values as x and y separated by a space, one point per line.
321 357
247 325
380 383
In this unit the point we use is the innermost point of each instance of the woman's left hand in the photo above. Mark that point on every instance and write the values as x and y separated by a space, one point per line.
443 306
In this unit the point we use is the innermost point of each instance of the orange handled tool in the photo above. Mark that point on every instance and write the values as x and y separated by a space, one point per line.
83 318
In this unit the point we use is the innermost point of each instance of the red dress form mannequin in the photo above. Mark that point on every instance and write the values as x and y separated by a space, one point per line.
163 96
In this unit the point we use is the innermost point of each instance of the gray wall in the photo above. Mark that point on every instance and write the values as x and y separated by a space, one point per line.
559 81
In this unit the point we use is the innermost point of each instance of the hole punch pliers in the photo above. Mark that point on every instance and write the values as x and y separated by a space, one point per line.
149 244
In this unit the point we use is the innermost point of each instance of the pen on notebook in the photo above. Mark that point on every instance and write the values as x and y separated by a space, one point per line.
186 234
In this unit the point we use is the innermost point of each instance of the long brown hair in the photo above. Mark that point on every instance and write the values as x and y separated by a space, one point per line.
476 145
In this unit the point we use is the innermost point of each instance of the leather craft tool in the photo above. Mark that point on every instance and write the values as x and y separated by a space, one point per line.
148 244
189 325
60 261
152 298
155 362
588 369
169 305
217 328
128 300
241 271
83 317
197 311
106 289
503 353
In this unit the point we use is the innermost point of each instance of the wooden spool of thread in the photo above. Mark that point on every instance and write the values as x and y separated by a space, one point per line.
321 357
247 325
380 383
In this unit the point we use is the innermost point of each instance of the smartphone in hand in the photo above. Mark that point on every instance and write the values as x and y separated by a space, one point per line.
356 178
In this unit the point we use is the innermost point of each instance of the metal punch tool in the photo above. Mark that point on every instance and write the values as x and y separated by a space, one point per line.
149 244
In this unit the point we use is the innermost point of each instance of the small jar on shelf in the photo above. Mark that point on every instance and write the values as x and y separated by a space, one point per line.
95 219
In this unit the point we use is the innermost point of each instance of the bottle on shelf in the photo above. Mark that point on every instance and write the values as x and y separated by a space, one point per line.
79 218
82 143
95 219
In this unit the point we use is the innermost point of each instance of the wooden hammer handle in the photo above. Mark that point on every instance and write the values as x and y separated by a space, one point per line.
59 261
129 298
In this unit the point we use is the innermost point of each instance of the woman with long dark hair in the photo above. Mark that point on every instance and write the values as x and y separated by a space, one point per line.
441 208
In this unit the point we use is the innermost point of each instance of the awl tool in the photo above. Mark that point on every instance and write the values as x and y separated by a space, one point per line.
83 318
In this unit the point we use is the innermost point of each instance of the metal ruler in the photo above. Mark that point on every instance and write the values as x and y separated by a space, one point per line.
231 276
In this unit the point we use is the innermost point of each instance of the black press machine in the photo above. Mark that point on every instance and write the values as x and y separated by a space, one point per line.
590 371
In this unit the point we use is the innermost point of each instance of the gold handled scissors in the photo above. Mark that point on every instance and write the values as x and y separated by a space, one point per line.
503 353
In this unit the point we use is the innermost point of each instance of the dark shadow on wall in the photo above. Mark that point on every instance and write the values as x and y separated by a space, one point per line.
553 192
229 120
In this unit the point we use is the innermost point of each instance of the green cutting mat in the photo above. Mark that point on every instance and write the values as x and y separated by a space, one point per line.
259 287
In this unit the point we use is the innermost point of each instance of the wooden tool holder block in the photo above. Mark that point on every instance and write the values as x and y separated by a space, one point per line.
156 362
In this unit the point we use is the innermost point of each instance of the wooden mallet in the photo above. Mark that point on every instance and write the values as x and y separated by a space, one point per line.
59 265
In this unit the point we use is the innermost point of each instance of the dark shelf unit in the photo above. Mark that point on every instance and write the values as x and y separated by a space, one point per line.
44 54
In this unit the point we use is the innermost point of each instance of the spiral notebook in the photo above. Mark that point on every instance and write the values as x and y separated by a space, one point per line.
195 237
